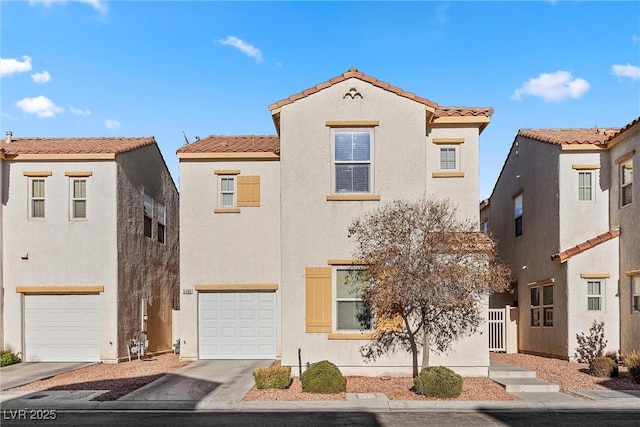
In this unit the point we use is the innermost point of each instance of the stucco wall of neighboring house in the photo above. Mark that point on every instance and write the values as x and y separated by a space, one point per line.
627 218
147 269
60 251
2 183
226 248
314 230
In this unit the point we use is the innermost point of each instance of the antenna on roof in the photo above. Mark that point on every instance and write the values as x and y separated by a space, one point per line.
186 140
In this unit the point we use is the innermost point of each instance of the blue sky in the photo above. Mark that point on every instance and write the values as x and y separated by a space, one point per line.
121 68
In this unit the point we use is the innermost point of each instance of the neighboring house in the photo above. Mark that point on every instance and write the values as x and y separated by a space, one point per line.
624 208
264 221
549 211
89 249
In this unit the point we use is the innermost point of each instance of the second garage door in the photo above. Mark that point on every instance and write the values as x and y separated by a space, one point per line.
237 325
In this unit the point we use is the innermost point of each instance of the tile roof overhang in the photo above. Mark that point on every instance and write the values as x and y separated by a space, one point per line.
435 114
619 136
585 246
71 148
239 147
571 139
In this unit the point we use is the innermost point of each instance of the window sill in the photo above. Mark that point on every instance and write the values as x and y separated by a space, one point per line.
357 336
353 197
447 175
227 210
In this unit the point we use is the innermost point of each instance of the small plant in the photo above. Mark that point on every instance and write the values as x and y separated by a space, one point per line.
272 377
613 355
604 367
323 377
8 358
438 382
591 346
632 360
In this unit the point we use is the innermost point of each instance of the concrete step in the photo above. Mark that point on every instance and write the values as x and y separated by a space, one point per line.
527 385
501 370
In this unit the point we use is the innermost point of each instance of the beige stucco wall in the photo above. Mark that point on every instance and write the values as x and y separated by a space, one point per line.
226 248
314 230
627 218
147 269
60 251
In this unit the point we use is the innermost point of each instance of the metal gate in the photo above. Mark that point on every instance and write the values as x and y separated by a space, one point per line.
497 329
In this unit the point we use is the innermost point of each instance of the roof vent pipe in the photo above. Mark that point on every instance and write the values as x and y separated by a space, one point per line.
9 135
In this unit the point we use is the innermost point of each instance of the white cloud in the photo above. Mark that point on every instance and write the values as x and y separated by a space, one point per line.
553 87
11 66
628 70
97 5
40 106
112 124
635 39
79 112
244 47
43 77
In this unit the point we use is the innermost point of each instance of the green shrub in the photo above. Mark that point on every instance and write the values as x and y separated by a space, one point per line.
603 367
438 382
613 355
632 360
8 358
272 377
323 377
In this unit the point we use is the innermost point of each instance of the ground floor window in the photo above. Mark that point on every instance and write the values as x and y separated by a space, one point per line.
542 305
351 312
594 295
635 294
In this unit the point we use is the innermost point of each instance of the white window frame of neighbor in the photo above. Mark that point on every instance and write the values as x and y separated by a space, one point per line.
626 184
78 199
582 196
456 157
338 299
352 162
635 294
148 215
162 221
594 299
222 192
39 198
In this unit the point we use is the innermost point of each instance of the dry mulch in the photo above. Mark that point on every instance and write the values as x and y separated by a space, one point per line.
120 379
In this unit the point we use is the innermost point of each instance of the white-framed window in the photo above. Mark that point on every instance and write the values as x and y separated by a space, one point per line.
227 186
36 198
626 182
517 214
78 199
585 185
485 226
350 313
148 215
594 295
448 157
161 223
352 158
542 305
635 294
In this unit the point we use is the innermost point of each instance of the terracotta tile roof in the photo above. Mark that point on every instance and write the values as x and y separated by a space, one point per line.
624 129
234 144
584 246
569 136
106 145
440 111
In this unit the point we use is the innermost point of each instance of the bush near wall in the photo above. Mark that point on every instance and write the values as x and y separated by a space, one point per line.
604 367
272 377
438 382
323 377
632 360
8 358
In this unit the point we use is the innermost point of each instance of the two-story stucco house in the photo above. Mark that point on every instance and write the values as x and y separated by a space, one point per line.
89 247
549 211
264 221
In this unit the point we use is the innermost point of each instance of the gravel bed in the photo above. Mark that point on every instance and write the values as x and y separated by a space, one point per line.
120 379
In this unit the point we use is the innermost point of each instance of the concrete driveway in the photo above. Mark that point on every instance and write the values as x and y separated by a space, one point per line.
202 381
25 373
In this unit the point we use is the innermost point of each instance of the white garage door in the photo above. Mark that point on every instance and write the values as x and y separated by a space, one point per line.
62 328
237 325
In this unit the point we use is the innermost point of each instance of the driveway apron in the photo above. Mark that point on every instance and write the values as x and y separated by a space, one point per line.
25 373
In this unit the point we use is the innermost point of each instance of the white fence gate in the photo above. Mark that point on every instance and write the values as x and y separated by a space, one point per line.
497 329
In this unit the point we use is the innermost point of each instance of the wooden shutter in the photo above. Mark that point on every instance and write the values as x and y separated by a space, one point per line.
248 191
318 299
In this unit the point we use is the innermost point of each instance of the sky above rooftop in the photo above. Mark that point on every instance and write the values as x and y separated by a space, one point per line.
161 68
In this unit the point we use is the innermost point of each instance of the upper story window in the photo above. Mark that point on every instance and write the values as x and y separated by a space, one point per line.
517 214
78 198
227 191
148 215
352 154
626 182
449 157
351 313
161 223
635 294
36 202
585 186
594 295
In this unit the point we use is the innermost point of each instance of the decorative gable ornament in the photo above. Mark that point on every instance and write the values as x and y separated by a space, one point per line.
352 94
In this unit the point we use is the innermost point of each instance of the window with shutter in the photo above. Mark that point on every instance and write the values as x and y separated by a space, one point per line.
318 299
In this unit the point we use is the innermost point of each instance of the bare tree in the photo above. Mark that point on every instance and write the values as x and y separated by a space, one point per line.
424 272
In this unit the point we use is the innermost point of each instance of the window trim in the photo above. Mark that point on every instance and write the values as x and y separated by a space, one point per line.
635 293
370 162
147 216
32 198
73 198
336 300
456 157
599 296
623 185
591 186
162 224
233 192
516 217
541 308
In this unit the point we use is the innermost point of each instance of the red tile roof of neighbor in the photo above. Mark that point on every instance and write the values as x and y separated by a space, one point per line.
234 144
106 145
440 111
569 136
625 129
584 246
